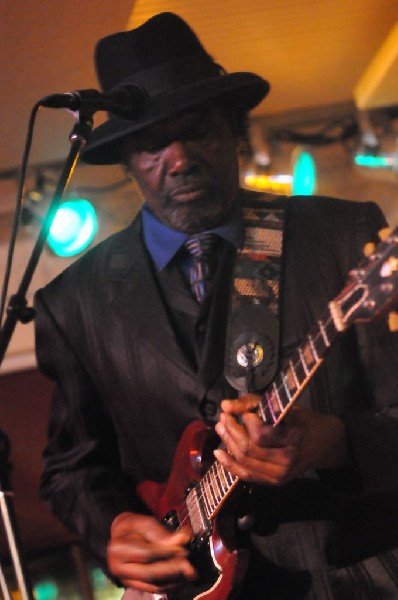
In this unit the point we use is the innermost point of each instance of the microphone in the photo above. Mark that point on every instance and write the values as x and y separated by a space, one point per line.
127 101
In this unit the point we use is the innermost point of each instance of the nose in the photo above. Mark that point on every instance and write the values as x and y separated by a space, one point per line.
180 159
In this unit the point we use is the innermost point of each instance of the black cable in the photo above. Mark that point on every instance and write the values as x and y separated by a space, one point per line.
18 208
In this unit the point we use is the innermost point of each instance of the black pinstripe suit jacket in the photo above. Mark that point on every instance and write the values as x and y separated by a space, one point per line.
125 390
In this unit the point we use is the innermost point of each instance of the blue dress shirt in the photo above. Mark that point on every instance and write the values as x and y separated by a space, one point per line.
163 242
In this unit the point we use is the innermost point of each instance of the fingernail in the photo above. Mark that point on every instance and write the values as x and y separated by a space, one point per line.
220 429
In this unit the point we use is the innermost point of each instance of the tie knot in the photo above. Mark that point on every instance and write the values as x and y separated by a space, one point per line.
201 245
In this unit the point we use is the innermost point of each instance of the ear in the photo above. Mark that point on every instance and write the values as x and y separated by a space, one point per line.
128 171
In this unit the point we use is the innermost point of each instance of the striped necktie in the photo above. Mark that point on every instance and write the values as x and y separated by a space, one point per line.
201 247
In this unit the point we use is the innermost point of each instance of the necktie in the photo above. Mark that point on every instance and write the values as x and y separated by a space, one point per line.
201 248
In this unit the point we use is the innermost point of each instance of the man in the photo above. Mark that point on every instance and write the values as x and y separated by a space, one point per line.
136 358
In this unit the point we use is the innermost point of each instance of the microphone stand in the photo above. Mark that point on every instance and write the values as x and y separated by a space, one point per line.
18 310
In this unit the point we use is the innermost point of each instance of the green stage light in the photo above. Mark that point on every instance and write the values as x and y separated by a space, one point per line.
46 590
73 228
304 173
375 161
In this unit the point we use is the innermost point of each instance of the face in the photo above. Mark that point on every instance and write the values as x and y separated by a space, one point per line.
187 168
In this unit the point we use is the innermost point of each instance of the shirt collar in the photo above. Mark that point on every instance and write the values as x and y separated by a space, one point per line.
163 242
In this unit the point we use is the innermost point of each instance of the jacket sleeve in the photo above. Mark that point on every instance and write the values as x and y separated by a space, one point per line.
372 426
81 483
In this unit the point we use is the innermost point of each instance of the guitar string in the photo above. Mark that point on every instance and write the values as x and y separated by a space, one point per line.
280 389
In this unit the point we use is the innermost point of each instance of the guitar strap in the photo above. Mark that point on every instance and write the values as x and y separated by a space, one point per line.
252 339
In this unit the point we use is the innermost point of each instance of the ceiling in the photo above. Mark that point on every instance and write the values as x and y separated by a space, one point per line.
313 53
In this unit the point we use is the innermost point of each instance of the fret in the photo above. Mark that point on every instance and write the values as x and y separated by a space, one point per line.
300 368
312 345
209 482
319 345
286 387
276 392
324 334
216 485
330 328
266 413
203 496
273 405
213 499
208 496
231 477
224 483
293 370
303 363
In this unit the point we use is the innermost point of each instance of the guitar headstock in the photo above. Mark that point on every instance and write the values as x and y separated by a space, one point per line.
372 287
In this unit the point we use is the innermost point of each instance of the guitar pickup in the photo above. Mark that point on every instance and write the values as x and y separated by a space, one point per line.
199 522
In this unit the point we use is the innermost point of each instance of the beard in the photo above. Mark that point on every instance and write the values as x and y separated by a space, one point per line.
199 214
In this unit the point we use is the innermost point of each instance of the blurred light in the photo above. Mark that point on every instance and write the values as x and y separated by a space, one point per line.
46 590
260 147
376 162
73 228
304 173
98 578
273 183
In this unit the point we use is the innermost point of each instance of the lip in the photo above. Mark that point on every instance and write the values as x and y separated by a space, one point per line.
188 193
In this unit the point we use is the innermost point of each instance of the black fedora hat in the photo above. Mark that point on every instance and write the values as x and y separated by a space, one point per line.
165 58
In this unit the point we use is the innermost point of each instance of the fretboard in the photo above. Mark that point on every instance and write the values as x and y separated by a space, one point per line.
301 366
217 483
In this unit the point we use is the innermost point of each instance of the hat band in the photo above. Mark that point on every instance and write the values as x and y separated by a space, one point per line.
169 76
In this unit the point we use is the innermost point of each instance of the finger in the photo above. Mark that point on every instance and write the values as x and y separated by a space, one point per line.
144 532
157 573
247 403
267 435
237 438
255 470
136 549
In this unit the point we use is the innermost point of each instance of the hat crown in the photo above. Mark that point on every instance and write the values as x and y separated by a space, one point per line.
166 60
163 39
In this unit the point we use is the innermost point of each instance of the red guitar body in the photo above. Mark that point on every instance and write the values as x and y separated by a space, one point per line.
220 564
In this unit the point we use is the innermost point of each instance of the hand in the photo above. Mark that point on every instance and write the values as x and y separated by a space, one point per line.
275 455
144 555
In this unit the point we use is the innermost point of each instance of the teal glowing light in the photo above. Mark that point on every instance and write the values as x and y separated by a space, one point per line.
372 161
98 579
73 228
46 590
304 173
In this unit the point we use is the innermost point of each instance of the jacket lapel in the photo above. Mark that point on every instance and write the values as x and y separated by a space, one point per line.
135 298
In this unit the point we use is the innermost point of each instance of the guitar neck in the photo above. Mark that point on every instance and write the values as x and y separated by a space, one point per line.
217 483
302 364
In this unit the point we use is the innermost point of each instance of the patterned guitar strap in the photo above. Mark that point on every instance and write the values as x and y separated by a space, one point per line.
252 341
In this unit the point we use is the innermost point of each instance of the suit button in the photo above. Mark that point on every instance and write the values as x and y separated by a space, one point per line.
202 328
209 408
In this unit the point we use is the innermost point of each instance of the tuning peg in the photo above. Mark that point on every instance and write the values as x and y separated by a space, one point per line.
393 321
369 248
384 233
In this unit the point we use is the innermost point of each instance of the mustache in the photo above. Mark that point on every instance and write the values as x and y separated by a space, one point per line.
188 182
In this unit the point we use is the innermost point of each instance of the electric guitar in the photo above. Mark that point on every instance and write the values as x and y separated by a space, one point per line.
204 497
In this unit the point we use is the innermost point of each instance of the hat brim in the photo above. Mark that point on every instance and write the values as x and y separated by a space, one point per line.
243 90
